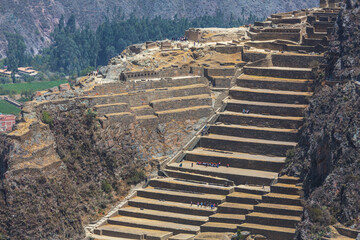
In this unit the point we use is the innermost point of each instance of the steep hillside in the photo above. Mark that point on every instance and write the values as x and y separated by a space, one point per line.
328 155
35 20
53 175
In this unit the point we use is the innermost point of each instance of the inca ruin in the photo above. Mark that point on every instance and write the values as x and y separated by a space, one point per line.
212 119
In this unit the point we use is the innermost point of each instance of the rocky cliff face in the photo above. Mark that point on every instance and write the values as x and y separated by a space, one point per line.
35 20
328 155
56 177
343 56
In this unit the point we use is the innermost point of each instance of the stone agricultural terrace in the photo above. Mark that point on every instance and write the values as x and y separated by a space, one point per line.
252 85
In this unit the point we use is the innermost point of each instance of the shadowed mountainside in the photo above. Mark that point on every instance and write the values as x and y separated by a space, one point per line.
328 155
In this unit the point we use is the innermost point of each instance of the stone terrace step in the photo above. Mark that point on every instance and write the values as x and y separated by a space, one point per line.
245 198
259 190
260 120
179 196
176 207
284 188
198 177
280 109
122 117
132 232
220 81
268 95
235 208
272 219
182 236
184 113
150 94
238 175
148 120
100 237
163 216
288 180
227 218
271 232
279 72
282 199
176 228
224 71
247 145
190 186
236 159
143 110
111 108
279 209
251 81
218 227
276 134
181 102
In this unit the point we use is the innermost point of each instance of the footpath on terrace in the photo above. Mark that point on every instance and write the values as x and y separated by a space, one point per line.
228 178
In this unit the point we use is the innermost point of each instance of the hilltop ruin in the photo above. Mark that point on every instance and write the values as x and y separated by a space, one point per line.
210 119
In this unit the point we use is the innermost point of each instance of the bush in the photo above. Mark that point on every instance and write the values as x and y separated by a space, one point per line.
290 154
90 116
321 215
106 187
138 177
46 118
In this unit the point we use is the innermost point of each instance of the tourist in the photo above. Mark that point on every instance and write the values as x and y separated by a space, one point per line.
192 164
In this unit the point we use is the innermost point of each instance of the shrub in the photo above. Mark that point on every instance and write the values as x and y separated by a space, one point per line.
106 186
138 177
90 116
321 215
46 118
290 154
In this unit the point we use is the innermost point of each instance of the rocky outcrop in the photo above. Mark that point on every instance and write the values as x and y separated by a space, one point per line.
344 51
35 20
60 169
327 157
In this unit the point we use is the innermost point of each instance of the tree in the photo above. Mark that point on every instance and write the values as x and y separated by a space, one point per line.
16 56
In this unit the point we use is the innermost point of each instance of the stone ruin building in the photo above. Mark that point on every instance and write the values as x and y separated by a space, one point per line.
251 88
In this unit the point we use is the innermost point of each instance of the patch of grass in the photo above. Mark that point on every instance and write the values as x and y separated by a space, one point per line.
33 86
47 118
8 108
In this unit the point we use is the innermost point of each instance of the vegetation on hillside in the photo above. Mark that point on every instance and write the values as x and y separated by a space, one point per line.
21 88
77 51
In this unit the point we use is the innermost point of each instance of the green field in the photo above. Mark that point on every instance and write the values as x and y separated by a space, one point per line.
34 86
7 108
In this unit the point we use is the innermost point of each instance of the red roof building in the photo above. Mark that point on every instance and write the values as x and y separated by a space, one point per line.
7 122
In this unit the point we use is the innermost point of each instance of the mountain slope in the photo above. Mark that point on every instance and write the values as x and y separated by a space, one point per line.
36 19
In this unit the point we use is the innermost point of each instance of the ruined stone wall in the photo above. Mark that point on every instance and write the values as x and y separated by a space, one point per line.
171 72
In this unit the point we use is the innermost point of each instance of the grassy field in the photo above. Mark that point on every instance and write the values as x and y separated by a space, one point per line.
34 86
7 108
